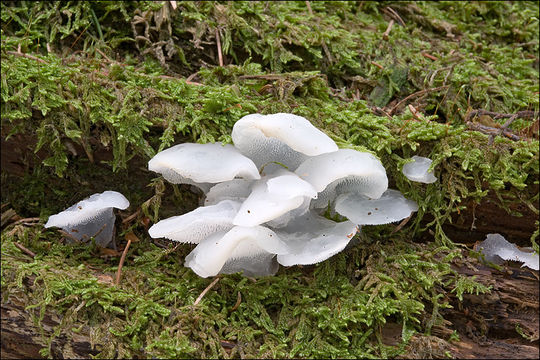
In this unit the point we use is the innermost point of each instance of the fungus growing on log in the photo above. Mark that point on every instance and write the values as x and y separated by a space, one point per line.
417 170
497 249
91 217
250 223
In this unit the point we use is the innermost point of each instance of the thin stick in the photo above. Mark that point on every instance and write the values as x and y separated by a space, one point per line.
377 65
238 301
121 263
206 290
488 130
431 57
388 29
66 234
401 224
26 251
99 231
27 56
78 37
132 216
218 41
396 15
192 76
105 56
527 114
25 220
418 93
308 5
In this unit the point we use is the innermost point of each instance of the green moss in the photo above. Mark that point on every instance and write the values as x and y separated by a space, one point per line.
320 311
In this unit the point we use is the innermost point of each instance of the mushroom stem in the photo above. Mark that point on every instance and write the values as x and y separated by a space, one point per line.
206 290
122 259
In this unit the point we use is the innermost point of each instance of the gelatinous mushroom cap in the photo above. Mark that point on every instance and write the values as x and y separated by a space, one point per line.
273 196
392 206
202 164
198 224
235 189
496 249
92 216
285 138
313 238
417 170
253 247
344 170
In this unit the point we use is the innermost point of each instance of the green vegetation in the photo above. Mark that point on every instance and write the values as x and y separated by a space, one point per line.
85 104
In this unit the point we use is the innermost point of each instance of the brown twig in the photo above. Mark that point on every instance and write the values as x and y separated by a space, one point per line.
105 56
28 56
395 15
503 130
78 37
100 230
238 302
401 224
206 290
377 65
218 41
132 216
526 114
121 263
24 250
25 221
308 5
492 131
429 56
418 93
388 29
65 233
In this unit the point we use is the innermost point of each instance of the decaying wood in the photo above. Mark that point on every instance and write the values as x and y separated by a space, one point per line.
21 337
488 324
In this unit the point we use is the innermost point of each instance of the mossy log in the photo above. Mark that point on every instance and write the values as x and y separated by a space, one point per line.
502 324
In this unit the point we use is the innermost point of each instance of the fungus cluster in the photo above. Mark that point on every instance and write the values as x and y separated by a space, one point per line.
265 196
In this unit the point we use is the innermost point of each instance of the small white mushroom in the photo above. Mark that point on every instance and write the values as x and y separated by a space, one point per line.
497 249
254 247
392 206
285 138
202 164
198 224
273 196
345 170
417 170
92 216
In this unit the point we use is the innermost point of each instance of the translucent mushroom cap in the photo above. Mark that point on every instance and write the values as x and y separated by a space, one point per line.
198 224
273 196
496 249
236 189
90 217
417 170
254 246
313 238
392 206
202 164
345 169
286 138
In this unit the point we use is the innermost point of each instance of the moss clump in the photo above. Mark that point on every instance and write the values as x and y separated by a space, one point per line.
90 91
